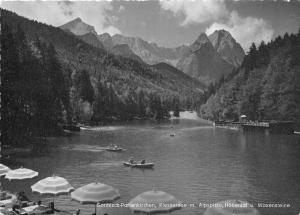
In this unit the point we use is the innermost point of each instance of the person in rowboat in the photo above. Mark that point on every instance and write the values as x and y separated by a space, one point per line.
77 212
131 160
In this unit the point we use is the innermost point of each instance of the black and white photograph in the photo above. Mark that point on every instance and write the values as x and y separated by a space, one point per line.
123 107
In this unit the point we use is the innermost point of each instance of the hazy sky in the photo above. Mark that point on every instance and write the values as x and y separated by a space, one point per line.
171 22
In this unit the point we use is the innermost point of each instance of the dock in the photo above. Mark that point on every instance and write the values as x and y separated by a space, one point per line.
228 125
275 127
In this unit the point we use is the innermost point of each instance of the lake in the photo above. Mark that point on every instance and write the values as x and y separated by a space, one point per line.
200 164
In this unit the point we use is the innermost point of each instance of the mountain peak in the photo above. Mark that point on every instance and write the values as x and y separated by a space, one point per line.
223 32
78 27
201 41
105 36
227 47
202 38
78 19
220 36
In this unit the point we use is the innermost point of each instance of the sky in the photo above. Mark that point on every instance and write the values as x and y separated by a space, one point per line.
171 23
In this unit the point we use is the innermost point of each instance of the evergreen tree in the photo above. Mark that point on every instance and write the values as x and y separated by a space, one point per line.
175 106
99 104
10 98
250 59
83 83
141 104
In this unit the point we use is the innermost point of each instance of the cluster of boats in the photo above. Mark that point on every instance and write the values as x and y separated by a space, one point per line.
131 162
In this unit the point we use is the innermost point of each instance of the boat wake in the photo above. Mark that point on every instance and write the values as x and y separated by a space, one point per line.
101 165
104 128
196 128
85 148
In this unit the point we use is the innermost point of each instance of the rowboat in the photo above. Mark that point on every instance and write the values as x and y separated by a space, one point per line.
113 149
138 165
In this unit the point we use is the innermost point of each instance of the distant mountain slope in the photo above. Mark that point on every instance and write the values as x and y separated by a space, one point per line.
106 40
265 87
148 52
91 39
125 51
203 62
227 47
173 73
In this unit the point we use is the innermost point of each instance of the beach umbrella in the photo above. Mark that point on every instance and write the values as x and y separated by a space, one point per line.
151 202
229 207
3 194
3 169
21 173
54 185
95 193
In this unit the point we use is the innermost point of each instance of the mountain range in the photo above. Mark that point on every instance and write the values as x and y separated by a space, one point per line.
121 73
208 58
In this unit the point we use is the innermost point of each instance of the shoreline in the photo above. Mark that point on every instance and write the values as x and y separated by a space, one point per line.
40 146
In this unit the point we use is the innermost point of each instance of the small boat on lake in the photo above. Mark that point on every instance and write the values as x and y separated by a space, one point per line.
172 135
114 149
139 165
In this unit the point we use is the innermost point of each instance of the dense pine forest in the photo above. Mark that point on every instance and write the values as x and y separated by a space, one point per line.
33 99
265 87
51 77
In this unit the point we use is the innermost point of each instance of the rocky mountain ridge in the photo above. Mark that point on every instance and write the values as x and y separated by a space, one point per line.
208 58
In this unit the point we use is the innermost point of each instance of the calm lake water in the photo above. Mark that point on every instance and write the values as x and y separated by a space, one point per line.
201 164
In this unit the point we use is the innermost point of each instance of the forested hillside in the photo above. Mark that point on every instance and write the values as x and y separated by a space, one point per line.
50 76
265 87
34 88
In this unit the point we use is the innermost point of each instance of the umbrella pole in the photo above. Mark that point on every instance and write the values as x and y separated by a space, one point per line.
96 209
53 205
